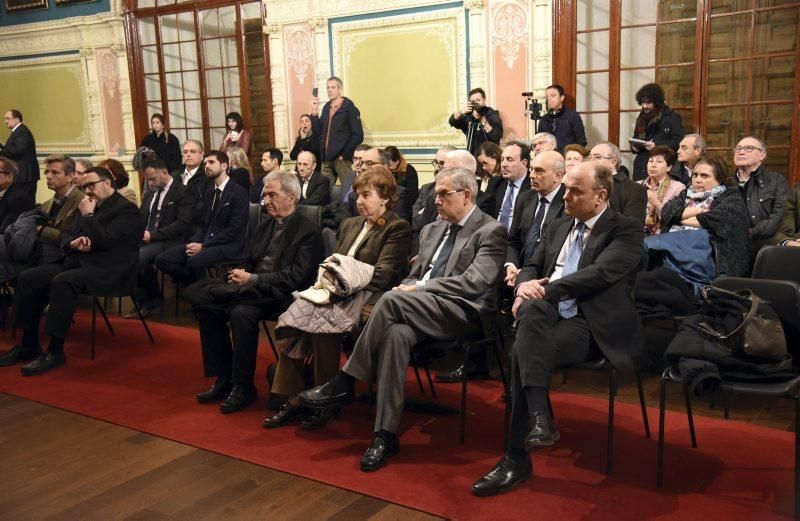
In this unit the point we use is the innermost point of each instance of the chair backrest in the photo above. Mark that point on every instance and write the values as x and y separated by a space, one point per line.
778 263
336 192
254 216
311 212
783 296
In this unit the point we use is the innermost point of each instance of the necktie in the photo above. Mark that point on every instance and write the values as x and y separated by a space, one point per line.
302 188
186 176
535 231
155 212
569 308
444 255
505 211
217 194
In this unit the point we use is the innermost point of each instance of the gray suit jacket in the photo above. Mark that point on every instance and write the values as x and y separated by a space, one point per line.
475 266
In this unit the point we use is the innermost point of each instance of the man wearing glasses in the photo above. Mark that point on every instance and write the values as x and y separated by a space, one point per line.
627 197
424 209
454 282
101 249
764 192
13 199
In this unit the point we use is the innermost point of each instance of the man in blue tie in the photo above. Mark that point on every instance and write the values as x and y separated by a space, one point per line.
514 167
573 304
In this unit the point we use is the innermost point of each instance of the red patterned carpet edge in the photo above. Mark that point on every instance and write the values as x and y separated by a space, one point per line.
151 388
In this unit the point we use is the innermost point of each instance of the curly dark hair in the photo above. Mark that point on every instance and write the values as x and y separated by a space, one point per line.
651 92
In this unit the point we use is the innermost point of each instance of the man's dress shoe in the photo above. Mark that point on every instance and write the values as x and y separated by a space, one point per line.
378 452
319 419
507 474
458 374
19 354
287 414
43 363
324 396
219 391
239 398
542 432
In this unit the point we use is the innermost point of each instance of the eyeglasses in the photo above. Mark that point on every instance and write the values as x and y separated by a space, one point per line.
357 161
437 163
598 157
746 148
91 184
441 194
369 163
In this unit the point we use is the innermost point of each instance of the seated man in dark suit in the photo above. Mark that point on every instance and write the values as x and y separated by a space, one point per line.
514 167
573 304
282 257
788 233
538 208
453 282
101 250
423 212
167 208
13 200
218 238
315 188
628 197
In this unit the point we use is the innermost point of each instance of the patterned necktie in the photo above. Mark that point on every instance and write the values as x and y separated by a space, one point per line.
505 211
444 255
569 308
155 213
535 231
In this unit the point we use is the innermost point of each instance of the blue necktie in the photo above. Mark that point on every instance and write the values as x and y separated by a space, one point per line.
505 211
569 308
535 231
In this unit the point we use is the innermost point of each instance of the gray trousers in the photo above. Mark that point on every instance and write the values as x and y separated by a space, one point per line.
399 321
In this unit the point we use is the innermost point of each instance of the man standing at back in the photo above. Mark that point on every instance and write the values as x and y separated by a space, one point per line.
341 131
21 148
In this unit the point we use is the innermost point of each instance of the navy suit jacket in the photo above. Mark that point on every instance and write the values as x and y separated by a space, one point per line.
226 225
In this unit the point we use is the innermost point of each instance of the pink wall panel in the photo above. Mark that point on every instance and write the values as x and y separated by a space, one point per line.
300 74
508 26
108 71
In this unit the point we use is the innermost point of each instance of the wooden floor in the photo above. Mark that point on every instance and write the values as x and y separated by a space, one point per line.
60 465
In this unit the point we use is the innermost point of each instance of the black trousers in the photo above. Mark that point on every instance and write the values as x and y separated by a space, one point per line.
185 269
56 284
147 287
544 342
229 329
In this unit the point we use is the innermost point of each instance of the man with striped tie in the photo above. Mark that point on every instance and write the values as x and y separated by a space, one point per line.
573 304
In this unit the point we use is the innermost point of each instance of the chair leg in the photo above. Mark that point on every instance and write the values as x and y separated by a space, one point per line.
662 398
564 378
94 324
612 392
105 317
141 318
726 412
430 381
550 406
419 380
497 348
796 457
463 419
689 416
265 325
645 420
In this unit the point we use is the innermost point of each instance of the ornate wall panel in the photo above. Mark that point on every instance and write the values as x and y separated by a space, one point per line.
300 55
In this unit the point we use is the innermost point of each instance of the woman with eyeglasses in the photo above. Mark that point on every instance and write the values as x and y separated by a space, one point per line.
657 124
574 154
235 133
407 182
379 237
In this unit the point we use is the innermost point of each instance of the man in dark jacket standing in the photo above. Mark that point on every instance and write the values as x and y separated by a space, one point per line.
101 249
479 122
764 192
21 148
657 124
564 123
341 132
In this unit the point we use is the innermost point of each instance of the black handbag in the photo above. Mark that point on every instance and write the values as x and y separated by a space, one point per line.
747 326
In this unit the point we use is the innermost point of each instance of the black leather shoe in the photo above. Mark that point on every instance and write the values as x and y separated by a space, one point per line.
506 475
319 419
19 354
324 396
287 414
542 432
239 398
43 363
219 391
378 452
457 375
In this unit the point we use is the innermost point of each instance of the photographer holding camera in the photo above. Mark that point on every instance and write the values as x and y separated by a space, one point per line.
479 122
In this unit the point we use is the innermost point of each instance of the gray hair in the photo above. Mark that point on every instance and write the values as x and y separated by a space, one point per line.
548 136
760 143
287 180
463 179
446 148
337 80
463 159
85 163
614 150
699 142
196 142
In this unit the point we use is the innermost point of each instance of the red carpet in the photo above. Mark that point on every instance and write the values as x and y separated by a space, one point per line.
739 471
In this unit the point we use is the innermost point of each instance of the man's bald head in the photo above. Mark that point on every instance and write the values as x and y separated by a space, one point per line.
461 159
547 171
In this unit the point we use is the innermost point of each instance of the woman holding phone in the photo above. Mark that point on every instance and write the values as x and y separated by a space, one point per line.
236 135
